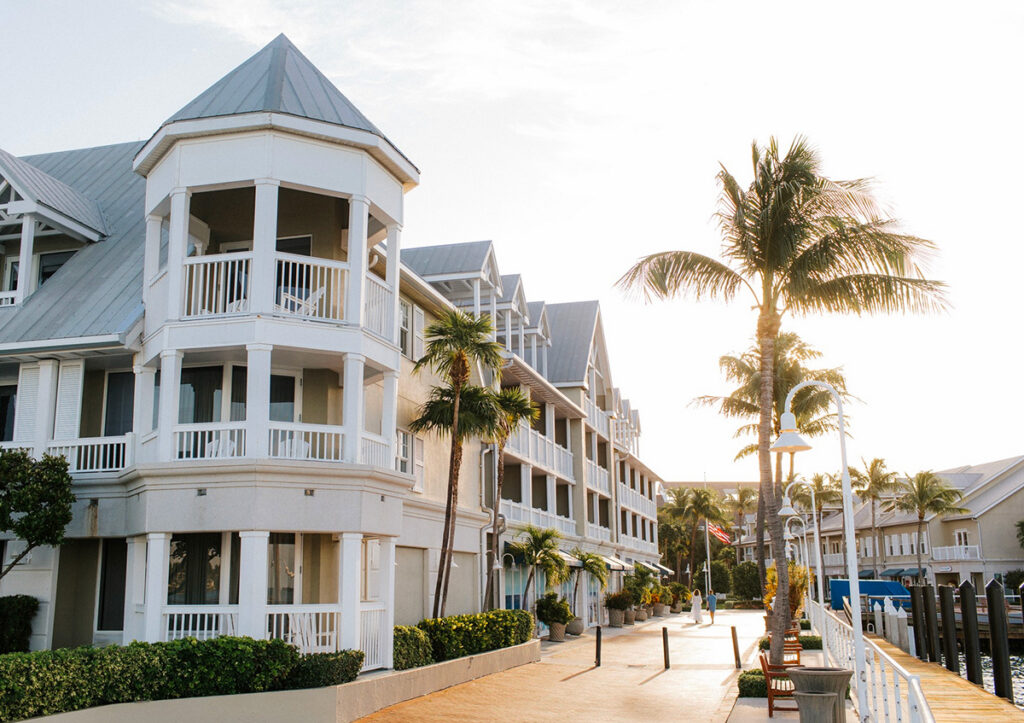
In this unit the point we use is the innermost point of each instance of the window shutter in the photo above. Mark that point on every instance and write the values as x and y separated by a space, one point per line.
418 323
28 400
417 448
904 543
924 542
69 400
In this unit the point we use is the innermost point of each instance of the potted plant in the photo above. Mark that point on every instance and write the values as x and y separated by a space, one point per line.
617 604
554 612
629 616
659 595
642 604
593 565
679 593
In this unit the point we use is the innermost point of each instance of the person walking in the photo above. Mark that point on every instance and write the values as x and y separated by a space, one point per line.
695 603
712 604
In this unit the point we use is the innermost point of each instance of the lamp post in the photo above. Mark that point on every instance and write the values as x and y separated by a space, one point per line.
805 559
790 441
787 511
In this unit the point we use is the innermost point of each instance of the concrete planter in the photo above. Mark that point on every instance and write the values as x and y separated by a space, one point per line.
575 627
822 680
630 617
556 632
677 608
659 610
615 618
641 615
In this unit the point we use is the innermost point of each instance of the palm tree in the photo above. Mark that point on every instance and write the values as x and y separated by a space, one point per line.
514 407
826 492
671 542
741 504
926 494
704 505
539 550
873 484
800 243
678 506
592 564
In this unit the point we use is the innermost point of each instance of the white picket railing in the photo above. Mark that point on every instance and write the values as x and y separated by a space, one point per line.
518 512
597 532
7 298
893 694
198 621
94 454
956 552
832 558
320 442
375 451
596 417
541 451
380 307
311 628
634 500
373 638
637 543
209 441
310 288
216 285
625 435
598 477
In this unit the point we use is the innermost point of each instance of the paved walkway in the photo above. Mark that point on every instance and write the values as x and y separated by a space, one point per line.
630 685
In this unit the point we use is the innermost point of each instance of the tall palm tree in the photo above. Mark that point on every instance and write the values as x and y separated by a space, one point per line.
592 564
704 505
874 484
514 407
799 243
539 550
926 494
826 492
677 507
741 504
671 542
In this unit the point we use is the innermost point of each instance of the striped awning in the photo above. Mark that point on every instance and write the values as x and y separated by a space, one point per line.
648 566
664 570
569 559
615 564
893 572
912 572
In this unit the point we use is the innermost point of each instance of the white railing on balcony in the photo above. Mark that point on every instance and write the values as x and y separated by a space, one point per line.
541 451
310 288
956 552
893 694
319 442
596 417
209 441
373 637
634 500
832 559
518 512
216 285
598 477
94 454
311 628
625 435
597 532
7 298
639 544
375 451
199 621
380 307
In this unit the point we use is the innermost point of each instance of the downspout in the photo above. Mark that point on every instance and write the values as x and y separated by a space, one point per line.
484 449
981 551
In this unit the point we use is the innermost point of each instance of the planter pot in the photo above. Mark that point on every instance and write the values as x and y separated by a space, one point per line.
615 618
641 615
659 610
650 611
823 680
677 608
575 627
630 617
556 632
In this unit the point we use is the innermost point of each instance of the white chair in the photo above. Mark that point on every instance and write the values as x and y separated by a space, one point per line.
292 304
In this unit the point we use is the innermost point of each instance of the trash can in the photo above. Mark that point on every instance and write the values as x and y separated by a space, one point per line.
816 707
823 680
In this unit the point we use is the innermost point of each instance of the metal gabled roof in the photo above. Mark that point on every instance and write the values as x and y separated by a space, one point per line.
36 185
98 292
572 334
456 258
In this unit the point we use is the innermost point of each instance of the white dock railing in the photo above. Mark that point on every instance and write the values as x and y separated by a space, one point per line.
893 694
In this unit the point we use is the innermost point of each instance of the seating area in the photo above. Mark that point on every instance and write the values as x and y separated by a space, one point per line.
780 688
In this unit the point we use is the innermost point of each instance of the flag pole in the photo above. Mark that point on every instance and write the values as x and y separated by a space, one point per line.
707 549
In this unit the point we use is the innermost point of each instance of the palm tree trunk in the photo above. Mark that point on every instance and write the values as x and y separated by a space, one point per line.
454 464
451 525
693 552
874 542
759 543
526 589
920 524
492 578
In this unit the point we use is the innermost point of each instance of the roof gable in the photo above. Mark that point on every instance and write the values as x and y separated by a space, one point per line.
35 185
572 334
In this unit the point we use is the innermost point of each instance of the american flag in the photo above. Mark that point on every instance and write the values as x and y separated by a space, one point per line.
718 532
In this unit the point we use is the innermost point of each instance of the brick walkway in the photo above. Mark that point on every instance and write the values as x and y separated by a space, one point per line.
630 685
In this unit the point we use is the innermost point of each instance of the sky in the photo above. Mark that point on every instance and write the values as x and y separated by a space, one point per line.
579 136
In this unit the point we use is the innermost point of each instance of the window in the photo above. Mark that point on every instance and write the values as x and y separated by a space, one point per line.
405 328
281 568
403 462
113 563
924 543
8 397
962 538
194 570
239 380
118 412
282 398
49 264
200 396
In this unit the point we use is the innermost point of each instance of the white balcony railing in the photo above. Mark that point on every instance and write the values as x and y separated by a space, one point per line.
209 441
598 477
95 454
311 628
320 442
380 307
375 451
310 288
956 552
597 532
596 417
625 435
832 559
217 285
7 298
634 500
199 621
373 637
518 512
639 544
541 451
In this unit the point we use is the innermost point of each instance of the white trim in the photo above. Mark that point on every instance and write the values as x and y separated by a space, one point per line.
58 220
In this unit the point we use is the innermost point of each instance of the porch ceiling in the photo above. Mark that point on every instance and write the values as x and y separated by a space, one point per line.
519 372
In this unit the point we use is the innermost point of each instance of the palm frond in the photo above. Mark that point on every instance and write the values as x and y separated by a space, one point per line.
670 274
479 416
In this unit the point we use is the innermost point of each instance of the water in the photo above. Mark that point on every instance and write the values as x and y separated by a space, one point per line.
1016 672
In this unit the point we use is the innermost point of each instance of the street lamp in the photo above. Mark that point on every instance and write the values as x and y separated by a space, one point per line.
791 441
805 558
788 511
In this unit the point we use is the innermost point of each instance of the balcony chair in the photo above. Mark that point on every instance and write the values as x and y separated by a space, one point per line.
778 685
307 637
291 303
224 446
293 448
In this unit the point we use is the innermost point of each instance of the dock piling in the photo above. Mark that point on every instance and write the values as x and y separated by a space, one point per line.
1000 641
949 646
972 647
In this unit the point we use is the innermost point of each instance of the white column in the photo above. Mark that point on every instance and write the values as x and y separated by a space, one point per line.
476 298
157 549
264 246
522 337
142 407
151 262
257 400
170 382
392 275
252 583
526 484
494 313
544 359
387 583
358 220
389 412
533 352
350 588
134 589
25 255
352 407
549 420
45 405
508 330
177 247
552 501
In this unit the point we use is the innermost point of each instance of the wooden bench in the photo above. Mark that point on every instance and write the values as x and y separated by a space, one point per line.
778 684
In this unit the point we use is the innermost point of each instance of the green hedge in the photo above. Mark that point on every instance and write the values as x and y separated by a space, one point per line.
16 613
751 684
319 670
805 624
412 648
809 642
459 635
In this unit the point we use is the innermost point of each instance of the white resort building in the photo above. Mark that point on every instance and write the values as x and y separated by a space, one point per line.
217 328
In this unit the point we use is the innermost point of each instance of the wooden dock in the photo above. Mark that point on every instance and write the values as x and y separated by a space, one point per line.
950 697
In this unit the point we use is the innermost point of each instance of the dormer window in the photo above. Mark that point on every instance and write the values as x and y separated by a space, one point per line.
48 264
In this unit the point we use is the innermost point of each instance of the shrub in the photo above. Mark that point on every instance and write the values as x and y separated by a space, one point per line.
1011 580
319 670
412 648
798 584
552 609
805 624
620 600
459 635
751 684
745 582
680 593
16 613
748 604
809 642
